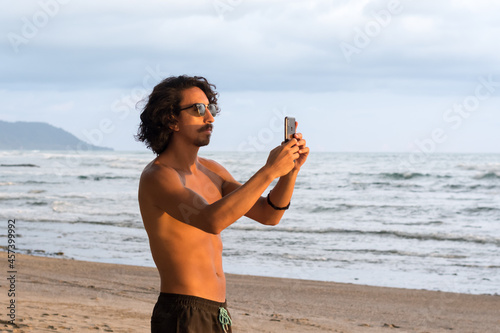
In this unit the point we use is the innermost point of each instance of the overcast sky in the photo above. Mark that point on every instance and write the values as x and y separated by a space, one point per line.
367 76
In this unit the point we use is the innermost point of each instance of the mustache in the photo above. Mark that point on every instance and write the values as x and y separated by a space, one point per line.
206 127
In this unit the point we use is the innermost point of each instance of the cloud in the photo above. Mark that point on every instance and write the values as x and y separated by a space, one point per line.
288 44
82 57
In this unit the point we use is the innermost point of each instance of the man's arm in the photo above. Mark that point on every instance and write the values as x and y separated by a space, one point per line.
167 192
280 195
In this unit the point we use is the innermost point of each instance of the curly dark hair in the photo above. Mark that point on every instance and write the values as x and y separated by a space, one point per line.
163 106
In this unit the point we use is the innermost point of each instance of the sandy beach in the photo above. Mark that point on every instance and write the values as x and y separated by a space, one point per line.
58 295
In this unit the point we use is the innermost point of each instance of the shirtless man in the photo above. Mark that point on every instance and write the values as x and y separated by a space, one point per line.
186 201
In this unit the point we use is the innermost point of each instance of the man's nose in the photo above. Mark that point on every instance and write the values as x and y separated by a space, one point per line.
208 116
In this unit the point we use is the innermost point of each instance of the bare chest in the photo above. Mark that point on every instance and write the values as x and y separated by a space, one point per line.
205 184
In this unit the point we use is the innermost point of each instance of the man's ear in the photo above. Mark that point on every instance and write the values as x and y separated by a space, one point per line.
174 125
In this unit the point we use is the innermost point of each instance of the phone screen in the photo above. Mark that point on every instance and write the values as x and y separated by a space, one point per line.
289 128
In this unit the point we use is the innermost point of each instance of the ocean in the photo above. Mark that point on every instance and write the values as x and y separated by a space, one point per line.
382 219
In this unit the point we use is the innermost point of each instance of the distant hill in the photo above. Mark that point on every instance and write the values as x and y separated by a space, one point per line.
39 136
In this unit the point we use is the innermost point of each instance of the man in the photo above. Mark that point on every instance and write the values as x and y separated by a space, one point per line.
186 201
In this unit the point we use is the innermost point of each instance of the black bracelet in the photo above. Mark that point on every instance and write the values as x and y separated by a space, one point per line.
275 207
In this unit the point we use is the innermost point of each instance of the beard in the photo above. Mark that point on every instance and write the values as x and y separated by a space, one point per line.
200 142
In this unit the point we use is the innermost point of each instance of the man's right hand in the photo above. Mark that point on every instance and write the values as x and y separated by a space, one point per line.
281 159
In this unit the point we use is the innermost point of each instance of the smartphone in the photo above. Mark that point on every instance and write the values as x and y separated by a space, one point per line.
289 128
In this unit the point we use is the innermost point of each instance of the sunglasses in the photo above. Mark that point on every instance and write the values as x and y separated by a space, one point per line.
202 108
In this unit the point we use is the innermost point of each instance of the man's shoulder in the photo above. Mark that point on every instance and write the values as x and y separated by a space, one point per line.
210 164
213 166
216 168
155 171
